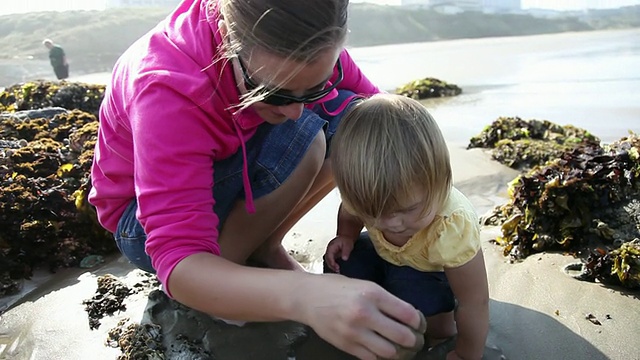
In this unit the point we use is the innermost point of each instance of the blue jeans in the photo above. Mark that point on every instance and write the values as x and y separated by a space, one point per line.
273 153
428 292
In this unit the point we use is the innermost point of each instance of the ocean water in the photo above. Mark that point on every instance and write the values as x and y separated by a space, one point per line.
587 79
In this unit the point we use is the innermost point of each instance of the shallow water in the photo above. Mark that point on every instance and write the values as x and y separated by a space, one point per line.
590 80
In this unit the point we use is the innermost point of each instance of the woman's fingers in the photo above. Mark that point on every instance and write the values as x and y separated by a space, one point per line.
400 322
378 345
363 319
423 323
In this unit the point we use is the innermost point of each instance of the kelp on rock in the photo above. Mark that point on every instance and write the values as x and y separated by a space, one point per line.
523 144
588 198
428 88
48 94
45 164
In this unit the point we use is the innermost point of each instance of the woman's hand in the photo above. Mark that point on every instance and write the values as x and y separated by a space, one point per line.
339 247
452 355
361 318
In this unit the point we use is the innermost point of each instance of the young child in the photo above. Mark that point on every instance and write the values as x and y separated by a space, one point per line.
391 165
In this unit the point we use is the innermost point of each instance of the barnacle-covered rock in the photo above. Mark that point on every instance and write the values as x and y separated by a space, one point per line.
428 88
45 162
138 341
524 144
588 197
45 94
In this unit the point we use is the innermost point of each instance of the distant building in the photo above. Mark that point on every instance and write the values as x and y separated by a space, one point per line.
142 3
456 6
414 3
501 6
445 6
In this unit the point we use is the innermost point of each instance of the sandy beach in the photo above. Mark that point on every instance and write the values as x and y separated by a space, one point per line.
537 310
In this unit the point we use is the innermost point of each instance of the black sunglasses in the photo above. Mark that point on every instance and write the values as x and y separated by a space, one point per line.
277 98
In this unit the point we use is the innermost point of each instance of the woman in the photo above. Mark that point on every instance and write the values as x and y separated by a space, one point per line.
212 144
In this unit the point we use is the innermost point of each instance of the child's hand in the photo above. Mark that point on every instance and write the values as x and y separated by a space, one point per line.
339 247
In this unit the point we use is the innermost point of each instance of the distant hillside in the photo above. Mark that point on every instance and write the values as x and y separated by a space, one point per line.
93 40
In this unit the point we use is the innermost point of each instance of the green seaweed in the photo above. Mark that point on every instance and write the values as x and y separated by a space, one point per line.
524 144
428 88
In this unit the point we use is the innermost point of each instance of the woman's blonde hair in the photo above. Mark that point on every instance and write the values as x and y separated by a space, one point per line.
384 148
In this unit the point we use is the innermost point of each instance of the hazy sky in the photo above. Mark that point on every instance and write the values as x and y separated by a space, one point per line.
18 6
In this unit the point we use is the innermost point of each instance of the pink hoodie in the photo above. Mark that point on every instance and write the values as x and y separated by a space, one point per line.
164 120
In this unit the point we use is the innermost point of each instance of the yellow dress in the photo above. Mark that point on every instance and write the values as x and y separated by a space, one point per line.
451 240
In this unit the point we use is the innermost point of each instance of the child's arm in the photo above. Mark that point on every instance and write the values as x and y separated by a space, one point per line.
469 285
349 227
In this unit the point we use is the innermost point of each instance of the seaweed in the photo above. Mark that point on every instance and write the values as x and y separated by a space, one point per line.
45 165
585 199
619 266
108 299
428 88
524 144
45 94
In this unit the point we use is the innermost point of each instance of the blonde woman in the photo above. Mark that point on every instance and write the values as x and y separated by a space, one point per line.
213 138
391 165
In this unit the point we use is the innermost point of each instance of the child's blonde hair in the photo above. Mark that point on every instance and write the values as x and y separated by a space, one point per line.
384 147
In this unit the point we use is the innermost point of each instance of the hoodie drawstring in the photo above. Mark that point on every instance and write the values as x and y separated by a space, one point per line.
250 206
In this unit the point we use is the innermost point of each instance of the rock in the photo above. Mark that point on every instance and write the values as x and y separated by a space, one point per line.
428 88
192 335
46 113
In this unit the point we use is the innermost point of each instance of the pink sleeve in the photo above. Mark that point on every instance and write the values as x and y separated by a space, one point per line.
354 79
174 144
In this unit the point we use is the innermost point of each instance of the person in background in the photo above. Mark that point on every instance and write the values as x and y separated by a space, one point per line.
58 59
213 140
391 166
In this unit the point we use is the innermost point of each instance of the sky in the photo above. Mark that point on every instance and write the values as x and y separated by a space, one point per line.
21 6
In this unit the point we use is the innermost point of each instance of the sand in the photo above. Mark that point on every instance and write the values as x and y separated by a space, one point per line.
537 311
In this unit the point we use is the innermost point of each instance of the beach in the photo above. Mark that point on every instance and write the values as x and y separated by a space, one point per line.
537 310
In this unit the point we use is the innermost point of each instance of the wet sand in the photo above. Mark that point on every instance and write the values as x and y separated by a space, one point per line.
537 311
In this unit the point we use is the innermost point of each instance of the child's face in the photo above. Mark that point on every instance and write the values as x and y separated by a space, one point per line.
408 219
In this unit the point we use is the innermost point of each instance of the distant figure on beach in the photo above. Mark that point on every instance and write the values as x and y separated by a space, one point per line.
391 165
213 142
58 59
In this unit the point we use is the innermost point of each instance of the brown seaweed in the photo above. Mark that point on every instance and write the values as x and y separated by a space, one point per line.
45 164
620 266
586 198
108 299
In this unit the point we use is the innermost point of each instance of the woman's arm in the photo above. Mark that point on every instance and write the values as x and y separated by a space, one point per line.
356 316
469 285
